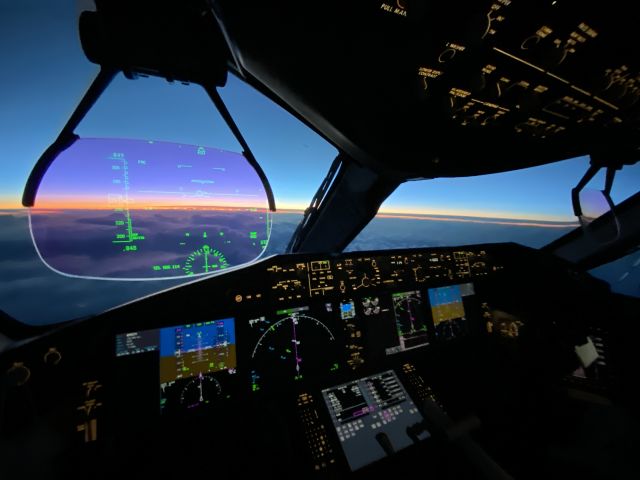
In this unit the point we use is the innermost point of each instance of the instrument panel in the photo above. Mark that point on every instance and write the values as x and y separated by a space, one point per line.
321 346
308 321
357 274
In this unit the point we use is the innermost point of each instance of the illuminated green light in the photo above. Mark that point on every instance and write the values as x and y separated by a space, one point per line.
222 234
253 234
204 235
289 311
166 267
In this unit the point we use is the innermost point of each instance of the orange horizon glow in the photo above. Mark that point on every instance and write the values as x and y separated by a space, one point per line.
10 204
493 221
449 216
289 207
54 207
62 203
501 215
417 213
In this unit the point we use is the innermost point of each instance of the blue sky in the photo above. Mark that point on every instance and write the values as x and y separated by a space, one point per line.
45 74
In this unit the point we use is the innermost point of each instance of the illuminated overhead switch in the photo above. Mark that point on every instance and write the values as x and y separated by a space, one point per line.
588 30
544 31
487 69
458 92
399 7
428 74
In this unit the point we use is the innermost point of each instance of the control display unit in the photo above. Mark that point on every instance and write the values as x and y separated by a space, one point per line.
371 414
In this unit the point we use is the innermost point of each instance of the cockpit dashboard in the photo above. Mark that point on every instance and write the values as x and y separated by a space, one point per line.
308 363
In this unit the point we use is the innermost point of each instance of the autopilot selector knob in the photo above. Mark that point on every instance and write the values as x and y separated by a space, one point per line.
18 374
52 357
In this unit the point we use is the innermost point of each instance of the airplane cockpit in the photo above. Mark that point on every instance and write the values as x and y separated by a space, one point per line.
488 360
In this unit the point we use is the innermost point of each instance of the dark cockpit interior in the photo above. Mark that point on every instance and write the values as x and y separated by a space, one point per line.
485 361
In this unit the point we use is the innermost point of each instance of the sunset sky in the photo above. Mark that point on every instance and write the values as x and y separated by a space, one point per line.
45 74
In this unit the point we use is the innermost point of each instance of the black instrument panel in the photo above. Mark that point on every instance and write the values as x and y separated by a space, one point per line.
263 342
303 320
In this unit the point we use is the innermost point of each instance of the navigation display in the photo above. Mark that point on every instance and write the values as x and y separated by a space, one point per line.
411 321
369 412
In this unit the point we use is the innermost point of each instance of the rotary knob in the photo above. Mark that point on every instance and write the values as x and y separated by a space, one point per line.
52 357
18 374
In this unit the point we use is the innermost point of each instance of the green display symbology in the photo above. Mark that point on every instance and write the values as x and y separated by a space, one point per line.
122 204
151 201
205 260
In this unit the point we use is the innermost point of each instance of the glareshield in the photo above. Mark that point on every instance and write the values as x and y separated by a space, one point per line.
137 209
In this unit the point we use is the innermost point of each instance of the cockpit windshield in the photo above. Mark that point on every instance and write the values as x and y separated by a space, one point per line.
136 110
530 206
141 111
358 239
